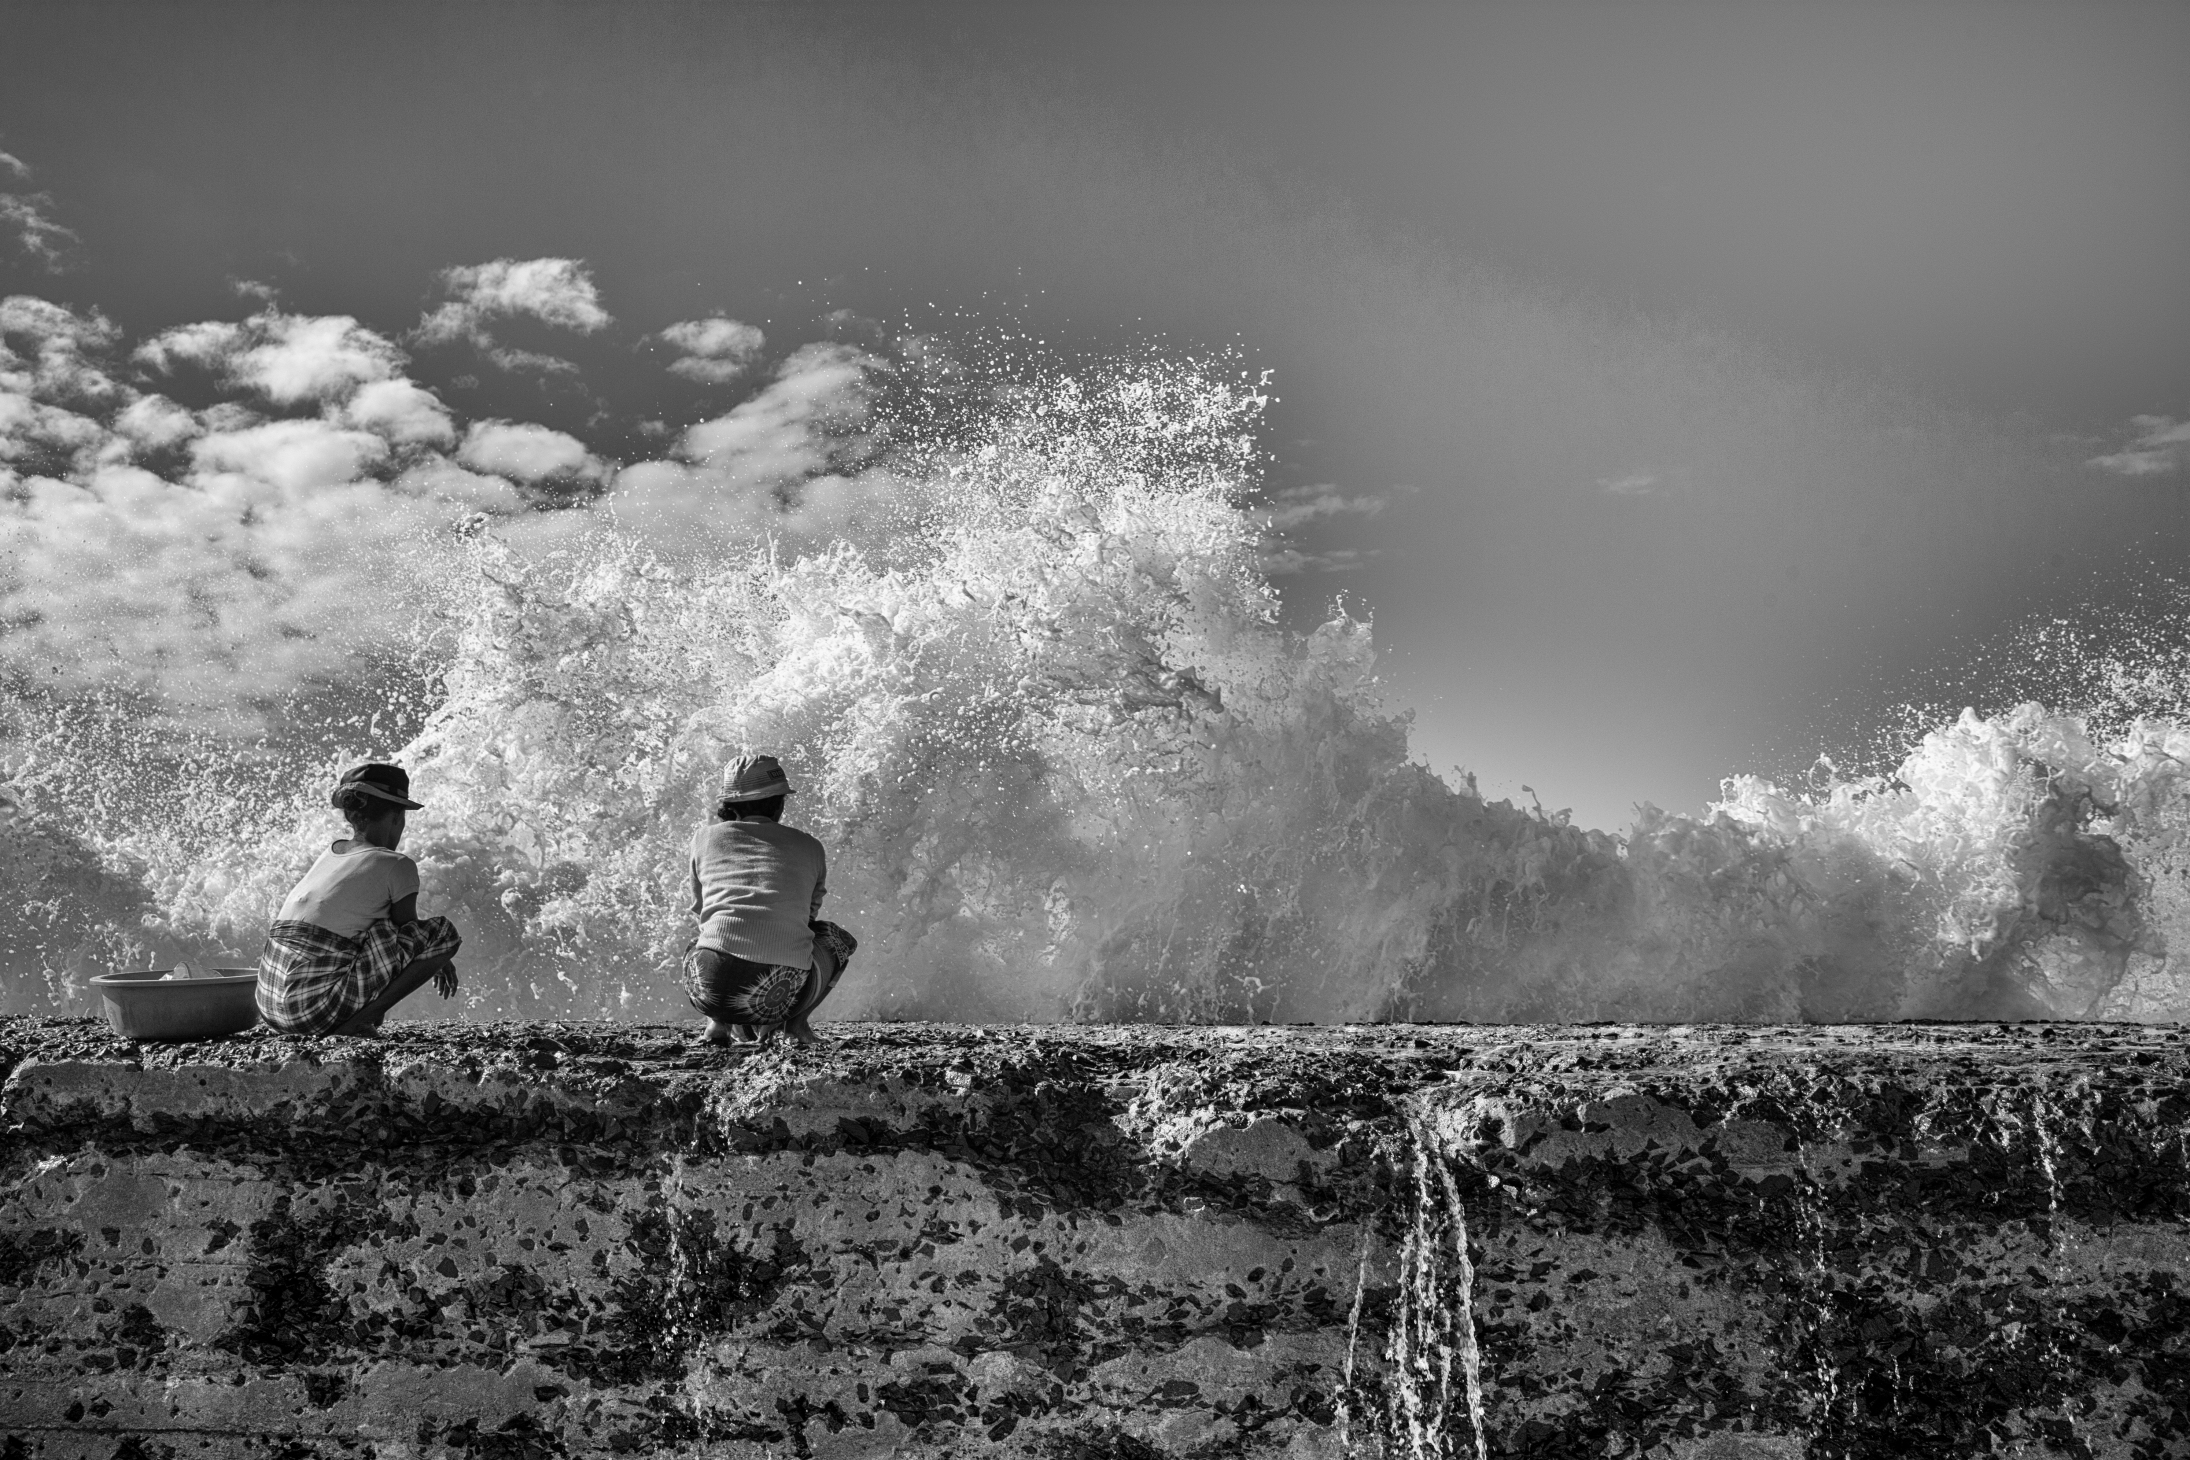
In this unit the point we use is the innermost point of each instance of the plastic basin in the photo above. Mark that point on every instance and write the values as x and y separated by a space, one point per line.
142 1005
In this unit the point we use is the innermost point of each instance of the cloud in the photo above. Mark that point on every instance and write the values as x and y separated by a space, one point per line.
714 351
206 343
772 435
157 423
437 476
1291 562
2161 447
301 358
65 347
220 560
287 358
529 453
25 216
218 594
40 438
260 556
780 460
36 234
555 292
1298 506
291 456
1634 484
402 412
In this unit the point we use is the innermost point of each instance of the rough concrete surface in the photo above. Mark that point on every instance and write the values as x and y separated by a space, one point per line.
575 1240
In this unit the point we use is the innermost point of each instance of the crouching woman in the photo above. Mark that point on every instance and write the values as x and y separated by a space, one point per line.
348 944
762 961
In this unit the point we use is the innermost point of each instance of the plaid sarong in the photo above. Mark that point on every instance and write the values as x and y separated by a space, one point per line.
310 980
738 991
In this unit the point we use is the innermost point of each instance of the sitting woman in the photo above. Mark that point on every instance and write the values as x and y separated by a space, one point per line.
349 944
762 961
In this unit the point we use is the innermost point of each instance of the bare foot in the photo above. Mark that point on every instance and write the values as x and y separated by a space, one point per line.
726 1037
802 1032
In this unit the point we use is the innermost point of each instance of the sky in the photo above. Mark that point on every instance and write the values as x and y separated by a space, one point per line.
1683 384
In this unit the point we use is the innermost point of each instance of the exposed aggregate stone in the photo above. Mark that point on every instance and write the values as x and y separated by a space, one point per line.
534 1240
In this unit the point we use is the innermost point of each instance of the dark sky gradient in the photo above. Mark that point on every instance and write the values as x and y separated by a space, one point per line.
1722 368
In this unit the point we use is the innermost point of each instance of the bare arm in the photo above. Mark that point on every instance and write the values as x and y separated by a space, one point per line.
821 888
404 911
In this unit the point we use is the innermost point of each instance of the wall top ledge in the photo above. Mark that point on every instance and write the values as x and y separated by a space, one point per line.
594 1080
656 1051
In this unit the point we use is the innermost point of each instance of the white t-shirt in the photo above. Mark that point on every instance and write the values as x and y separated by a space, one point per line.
352 886
755 884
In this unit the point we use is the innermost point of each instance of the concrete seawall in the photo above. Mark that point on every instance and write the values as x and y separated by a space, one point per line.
575 1240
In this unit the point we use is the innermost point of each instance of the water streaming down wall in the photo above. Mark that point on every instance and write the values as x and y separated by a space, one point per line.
1821 1224
1436 1363
1019 652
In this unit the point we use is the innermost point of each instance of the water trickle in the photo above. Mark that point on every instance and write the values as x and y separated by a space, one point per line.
1347 1400
1817 1289
1433 1326
678 1335
2047 1121
2048 1140
1814 1291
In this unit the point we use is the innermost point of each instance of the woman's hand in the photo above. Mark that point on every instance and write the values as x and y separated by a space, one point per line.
444 980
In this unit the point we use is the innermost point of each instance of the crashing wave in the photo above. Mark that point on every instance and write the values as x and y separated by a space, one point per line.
1016 647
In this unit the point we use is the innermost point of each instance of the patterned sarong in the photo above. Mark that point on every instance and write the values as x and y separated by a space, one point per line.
737 990
311 980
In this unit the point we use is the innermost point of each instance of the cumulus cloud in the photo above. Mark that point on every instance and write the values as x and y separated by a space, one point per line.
157 423
402 412
65 348
772 461
713 351
739 471
220 559
26 217
207 343
528 453
2160 447
555 292
772 435
437 476
216 594
287 358
213 557
37 437
290 456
